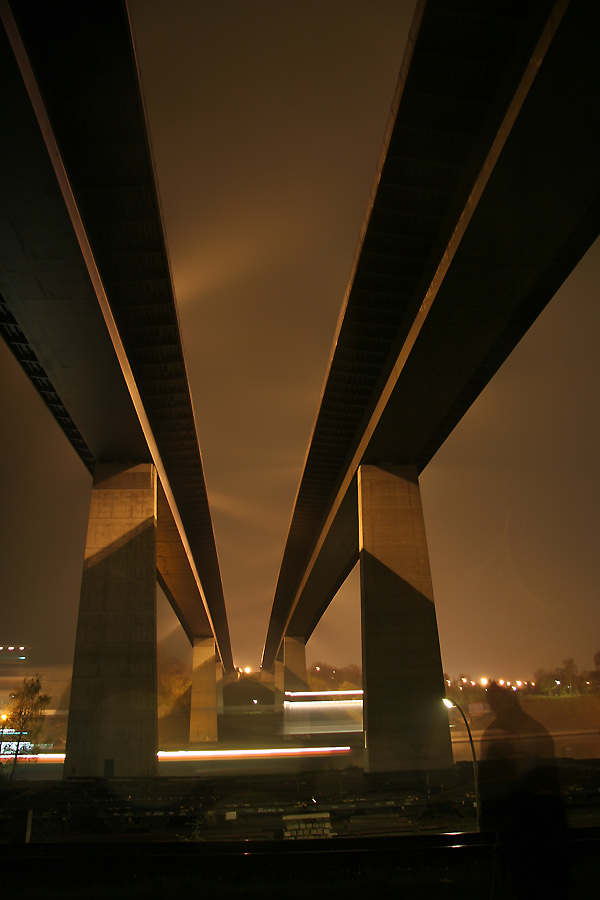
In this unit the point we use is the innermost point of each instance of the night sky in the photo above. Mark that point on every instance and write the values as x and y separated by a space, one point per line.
266 121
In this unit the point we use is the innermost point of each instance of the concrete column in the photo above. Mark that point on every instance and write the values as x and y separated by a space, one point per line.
279 689
405 723
112 726
294 664
219 678
203 713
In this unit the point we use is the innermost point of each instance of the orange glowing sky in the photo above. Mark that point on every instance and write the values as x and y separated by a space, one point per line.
266 121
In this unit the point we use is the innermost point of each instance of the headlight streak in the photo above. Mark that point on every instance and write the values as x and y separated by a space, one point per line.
278 752
324 693
200 755
329 704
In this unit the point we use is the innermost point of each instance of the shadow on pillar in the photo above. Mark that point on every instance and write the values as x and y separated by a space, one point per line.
405 722
112 726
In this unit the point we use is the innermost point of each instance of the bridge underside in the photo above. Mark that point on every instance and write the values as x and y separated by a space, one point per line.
86 300
466 243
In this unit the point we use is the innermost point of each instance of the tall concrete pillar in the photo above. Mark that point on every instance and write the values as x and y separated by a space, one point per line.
290 668
203 713
405 723
279 690
113 711
219 679
294 664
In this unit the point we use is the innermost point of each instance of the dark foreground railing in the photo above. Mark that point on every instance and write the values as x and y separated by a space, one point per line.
464 866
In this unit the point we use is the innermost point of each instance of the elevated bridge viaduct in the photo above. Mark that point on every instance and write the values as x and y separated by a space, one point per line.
87 308
486 197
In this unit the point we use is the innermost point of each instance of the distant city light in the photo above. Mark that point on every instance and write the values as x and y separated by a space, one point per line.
247 670
484 681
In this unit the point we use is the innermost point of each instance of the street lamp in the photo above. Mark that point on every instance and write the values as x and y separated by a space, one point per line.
450 704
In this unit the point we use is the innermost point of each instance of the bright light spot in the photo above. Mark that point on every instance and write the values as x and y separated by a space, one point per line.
247 670
473 683
557 682
513 687
11 648
447 703
255 701
317 668
464 680
484 681
501 682
21 648
449 682
519 684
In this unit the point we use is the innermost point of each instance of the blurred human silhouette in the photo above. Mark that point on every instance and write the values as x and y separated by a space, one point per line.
520 802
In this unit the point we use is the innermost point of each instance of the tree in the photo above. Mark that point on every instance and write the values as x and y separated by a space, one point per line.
26 712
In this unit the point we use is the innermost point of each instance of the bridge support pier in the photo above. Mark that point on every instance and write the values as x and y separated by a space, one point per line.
294 664
290 668
203 713
113 711
405 723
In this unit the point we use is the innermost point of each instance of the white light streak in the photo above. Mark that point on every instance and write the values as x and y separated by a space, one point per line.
202 755
324 693
330 704
278 752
